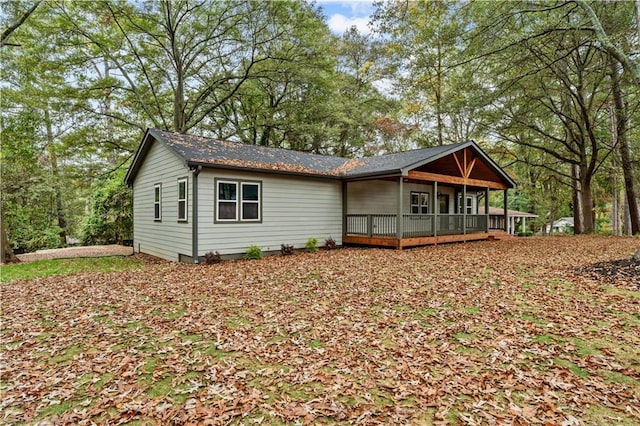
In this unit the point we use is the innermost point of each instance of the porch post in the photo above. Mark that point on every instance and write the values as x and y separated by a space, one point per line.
436 206
524 224
506 217
344 208
486 206
464 209
399 218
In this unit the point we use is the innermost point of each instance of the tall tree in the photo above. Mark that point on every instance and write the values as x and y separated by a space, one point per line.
424 40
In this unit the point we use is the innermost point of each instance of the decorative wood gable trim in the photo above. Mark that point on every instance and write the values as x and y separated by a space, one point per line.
435 177
465 167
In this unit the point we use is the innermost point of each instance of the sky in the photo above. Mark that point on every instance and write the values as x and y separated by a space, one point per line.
342 14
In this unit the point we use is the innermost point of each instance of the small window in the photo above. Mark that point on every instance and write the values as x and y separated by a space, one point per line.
227 201
469 205
250 201
157 202
182 200
419 202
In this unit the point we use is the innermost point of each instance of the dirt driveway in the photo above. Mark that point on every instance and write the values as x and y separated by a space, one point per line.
87 251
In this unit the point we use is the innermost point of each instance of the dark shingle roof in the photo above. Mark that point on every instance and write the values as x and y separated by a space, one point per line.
206 152
400 160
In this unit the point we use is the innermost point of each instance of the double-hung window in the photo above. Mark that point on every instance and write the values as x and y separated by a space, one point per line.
238 201
182 200
250 201
227 209
419 202
157 202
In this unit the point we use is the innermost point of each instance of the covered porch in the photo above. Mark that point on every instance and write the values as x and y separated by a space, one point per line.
417 230
439 201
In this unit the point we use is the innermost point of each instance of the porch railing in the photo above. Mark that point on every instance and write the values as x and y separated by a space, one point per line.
414 225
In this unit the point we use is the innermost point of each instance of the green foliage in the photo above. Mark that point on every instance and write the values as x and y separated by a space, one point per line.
28 197
311 245
253 252
47 268
110 216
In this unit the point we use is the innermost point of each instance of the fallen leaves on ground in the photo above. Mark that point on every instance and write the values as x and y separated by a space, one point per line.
502 332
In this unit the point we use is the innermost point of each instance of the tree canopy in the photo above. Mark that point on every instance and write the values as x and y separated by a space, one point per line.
549 88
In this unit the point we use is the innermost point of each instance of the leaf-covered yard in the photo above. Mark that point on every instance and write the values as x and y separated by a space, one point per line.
503 332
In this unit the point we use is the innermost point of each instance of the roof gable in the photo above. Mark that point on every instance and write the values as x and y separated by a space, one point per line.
200 151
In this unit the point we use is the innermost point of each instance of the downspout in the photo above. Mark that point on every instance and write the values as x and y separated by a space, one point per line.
194 222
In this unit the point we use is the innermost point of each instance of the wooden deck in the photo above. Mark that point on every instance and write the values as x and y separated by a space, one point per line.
380 241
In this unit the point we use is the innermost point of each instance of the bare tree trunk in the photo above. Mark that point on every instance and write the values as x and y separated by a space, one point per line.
6 252
53 158
588 219
577 200
625 155
627 216
615 213
637 4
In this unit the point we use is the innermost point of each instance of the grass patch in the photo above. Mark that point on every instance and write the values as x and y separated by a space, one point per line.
56 409
465 336
67 355
102 380
580 372
615 377
161 388
315 344
584 348
175 312
546 339
47 268
237 322
616 291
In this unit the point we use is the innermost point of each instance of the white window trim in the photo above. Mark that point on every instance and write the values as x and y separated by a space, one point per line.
185 200
419 205
218 200
242 202
157 187
469 204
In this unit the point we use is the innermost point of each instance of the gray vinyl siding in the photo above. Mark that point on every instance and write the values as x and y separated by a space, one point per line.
293 210
167 238
381 196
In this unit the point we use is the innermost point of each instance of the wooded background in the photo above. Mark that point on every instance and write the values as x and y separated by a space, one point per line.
548 89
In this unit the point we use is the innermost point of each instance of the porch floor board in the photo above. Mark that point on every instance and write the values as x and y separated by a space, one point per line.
382 241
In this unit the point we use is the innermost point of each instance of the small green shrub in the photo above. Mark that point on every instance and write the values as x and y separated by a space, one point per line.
312 245
330 244
253 252
212 257
286 249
